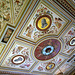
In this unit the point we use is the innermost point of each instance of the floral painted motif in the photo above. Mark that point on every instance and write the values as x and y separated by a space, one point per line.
18 5
5 10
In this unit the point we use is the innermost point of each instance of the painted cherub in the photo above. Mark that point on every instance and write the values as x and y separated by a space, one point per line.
53 29
30 29
58 22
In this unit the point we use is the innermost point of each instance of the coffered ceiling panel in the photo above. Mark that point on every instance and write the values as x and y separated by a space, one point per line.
35 29
37 37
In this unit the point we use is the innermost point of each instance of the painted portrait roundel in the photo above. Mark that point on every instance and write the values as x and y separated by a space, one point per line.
50 66
18 59
43 22
47 49
72 42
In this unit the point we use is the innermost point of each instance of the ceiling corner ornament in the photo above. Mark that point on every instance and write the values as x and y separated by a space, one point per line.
47 49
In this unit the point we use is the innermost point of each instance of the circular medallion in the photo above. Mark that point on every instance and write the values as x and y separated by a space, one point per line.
43 22
18 59
47 49
50 66
72 42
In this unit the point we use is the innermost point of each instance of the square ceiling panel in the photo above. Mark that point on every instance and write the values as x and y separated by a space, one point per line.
44 21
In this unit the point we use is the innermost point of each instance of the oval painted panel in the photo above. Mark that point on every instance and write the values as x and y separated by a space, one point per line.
43 22
47 49
50 66
72 42
18 59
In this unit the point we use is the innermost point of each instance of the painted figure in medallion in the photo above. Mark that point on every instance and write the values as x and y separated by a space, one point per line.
44 24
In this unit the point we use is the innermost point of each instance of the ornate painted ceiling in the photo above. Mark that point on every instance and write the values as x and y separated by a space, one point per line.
37 37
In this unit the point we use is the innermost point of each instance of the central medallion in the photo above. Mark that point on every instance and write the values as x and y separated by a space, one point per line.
43 22
47 49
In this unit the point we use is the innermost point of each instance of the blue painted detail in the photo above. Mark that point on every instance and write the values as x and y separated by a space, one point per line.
50 66
44 52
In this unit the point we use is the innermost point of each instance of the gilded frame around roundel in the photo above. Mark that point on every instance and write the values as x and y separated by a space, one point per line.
42 17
